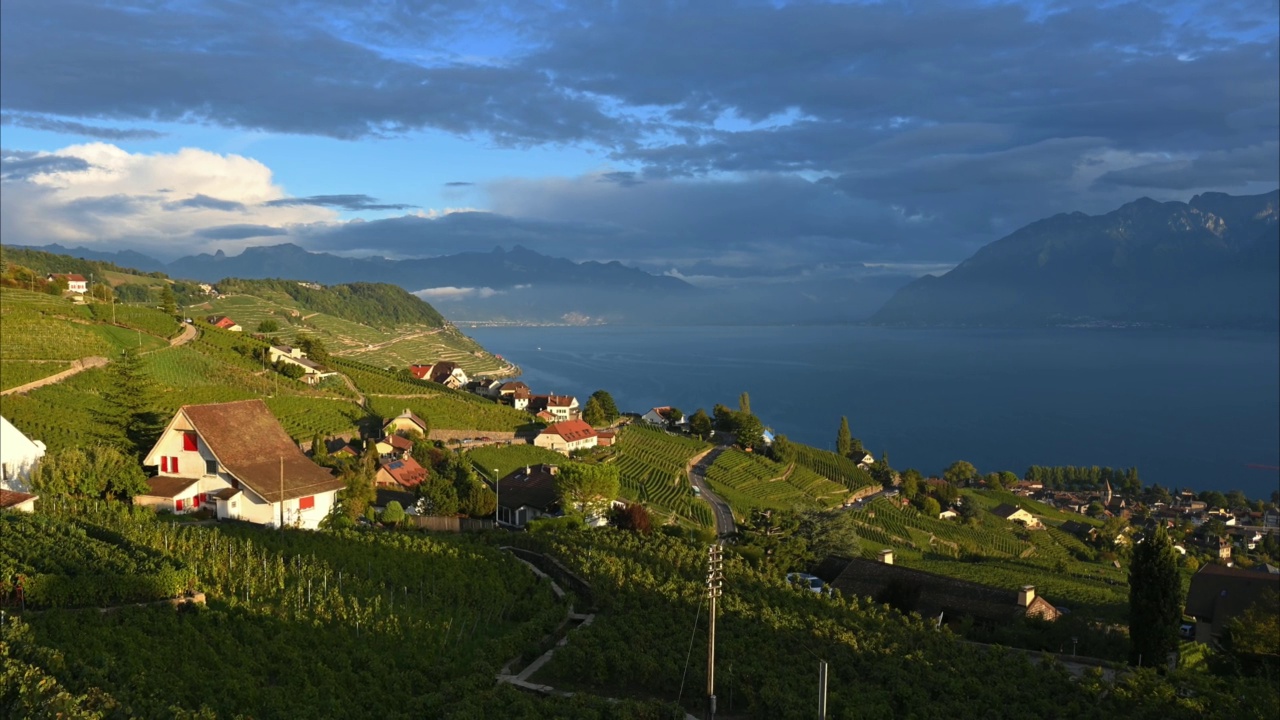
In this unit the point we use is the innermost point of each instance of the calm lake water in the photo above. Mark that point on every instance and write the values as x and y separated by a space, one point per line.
1196 409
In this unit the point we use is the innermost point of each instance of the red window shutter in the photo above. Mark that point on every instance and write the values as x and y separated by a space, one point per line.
164 464
189 441
307 502
177 504
173 465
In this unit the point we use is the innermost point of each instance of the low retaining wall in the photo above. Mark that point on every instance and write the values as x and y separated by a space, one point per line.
557 571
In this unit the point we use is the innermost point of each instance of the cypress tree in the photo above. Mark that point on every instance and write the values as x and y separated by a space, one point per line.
744 403
1155 601
844 439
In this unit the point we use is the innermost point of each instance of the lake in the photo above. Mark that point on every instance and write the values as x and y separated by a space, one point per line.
1194 409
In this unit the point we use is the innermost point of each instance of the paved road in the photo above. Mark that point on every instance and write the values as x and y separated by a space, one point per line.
725 525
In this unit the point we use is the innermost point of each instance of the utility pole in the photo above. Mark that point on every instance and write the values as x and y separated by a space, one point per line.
496 506
822 690
281 492
715 583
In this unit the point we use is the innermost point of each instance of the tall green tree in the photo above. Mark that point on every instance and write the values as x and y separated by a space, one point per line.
132 402
168 302
1155 601
593 414
744 403
606 404
844 438
700 424
960 472
750 431
587 490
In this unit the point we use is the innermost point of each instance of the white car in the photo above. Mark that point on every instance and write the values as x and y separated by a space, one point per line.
805 580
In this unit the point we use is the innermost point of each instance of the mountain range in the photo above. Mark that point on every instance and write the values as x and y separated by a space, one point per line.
1213 261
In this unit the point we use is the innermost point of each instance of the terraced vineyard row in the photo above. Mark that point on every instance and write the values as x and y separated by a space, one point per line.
750 482
954 537
651 465
833 467
147 319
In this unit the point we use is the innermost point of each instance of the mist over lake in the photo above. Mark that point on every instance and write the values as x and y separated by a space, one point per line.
1188 408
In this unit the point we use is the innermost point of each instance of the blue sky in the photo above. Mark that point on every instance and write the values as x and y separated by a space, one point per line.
668 135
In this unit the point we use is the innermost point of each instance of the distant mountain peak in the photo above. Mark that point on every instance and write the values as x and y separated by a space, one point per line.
1207 262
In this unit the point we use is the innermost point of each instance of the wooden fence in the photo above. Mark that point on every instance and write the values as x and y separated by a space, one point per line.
449 524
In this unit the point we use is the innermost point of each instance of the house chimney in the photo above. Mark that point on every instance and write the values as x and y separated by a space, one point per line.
886 556
1026 595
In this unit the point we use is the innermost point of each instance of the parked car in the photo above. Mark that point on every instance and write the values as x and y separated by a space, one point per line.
805 580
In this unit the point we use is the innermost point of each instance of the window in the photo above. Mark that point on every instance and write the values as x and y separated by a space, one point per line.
164 464
307 502
210 467
189 441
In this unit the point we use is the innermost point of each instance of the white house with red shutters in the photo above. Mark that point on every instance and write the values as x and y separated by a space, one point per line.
234 459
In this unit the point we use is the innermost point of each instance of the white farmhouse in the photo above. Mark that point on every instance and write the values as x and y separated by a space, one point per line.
235 459
19 456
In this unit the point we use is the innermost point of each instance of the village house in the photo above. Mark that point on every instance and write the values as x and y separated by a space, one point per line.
527 494
236 460
933 596
662 416
605 438
224 322
445 373
864 459
75 283
514 393
558 407
1013 513
393 446
313 372
406 422
402 474
565 437
19 456
1219 593
11 501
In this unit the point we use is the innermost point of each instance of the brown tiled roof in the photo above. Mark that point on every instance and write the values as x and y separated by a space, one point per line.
441 370
399 442
407 472
249 442
923 592
513 386
409 415
571 430
1005 510
72 277
167 486
225 493
9 498
535 488
1219 593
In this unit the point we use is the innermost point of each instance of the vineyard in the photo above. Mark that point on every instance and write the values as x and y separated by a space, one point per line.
14 373
769 638
148 320
651 466
366 614
990 552
833 466
749 482
447 411
62 565
65 414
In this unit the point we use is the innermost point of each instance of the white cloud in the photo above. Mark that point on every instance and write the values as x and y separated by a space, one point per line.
457 293
151 202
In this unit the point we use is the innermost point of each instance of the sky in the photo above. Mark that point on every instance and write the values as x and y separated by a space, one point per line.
670 135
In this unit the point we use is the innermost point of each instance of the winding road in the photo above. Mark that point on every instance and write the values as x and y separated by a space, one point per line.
723 515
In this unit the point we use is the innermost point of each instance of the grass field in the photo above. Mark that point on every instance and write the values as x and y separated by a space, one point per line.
506 458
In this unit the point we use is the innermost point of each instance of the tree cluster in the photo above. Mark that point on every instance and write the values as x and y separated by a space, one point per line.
1084 478
745 426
